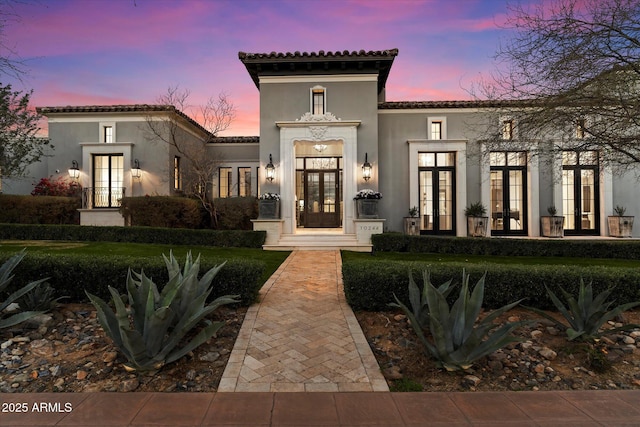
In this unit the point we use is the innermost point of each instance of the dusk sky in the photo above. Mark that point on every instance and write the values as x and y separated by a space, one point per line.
87 52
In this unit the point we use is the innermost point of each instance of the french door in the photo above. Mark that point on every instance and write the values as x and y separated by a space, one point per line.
322 199
108 179
508 193
580 193
437 193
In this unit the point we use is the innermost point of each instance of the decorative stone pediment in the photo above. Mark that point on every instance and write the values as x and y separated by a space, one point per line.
326 117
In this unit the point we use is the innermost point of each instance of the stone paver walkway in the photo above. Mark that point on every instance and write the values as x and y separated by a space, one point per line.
302 336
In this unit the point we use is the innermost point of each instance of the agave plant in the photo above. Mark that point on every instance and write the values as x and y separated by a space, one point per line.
459 336
5 278
418 300
40 298
150 331
587 314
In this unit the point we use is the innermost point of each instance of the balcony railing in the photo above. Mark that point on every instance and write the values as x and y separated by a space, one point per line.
102 197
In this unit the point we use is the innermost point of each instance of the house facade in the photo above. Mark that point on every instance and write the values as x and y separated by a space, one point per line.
327 131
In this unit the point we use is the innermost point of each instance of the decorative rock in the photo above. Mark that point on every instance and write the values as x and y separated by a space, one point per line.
634 334
43 348
81 375
109 356
472 380
536 334
212 356
59 383
399 317
628 340
392 373
539 368
191 375
6 344
547 353
552 331
55 370
128 385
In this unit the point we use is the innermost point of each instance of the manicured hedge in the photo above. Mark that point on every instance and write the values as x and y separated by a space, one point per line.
71 275
169 236
39 209
236 213
396 242
371 284
162 211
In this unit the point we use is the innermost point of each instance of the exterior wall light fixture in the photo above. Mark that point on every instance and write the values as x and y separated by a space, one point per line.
136 172
270 169
366 168
74 170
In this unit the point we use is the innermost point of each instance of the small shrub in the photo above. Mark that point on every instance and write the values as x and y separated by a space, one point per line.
57 187
406 385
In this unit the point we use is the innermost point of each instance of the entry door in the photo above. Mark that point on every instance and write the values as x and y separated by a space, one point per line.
580 201
322 204
437 201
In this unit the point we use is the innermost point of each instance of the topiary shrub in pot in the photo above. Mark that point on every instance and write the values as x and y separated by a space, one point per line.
477 220
620 225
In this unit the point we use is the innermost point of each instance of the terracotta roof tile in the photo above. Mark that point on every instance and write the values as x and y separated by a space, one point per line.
122 108
408 105
235 140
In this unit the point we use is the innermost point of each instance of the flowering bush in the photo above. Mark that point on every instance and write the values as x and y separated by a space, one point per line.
269 196
56 187
367 194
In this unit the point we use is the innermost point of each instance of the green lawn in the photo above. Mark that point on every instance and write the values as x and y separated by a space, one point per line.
272 259
478 259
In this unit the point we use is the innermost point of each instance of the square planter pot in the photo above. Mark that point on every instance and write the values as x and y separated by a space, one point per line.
367 208
552 226
269 209
411 225
477 226
620 226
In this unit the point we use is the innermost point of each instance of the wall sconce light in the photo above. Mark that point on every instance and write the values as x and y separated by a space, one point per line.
136 172
271 170
366 168
74 170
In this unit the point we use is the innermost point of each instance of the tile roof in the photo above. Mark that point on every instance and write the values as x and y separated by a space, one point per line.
235 140
319 63
407 105
122 108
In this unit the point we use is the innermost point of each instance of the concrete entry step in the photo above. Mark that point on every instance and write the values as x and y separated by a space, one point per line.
319 241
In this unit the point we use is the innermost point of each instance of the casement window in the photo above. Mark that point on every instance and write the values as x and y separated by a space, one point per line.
177 173
224 182
436 130
318 100
244 182
108 132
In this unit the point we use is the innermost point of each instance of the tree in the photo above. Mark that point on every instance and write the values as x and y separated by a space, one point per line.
570 77
19 144
11 65
197 165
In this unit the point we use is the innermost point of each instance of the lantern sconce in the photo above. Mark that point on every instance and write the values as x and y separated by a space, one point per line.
74 170
136 172
270 169
366 168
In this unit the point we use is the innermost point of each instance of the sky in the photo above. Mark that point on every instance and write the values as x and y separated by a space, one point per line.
105 52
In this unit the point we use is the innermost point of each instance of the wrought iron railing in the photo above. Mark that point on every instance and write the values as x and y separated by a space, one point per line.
102 197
